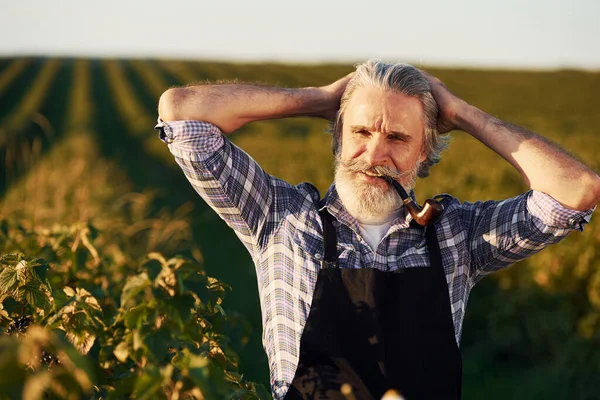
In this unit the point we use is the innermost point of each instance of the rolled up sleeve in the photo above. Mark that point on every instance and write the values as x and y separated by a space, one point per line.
190 140
502 233
552 214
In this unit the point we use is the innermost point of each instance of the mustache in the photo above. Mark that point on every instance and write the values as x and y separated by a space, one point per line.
359 165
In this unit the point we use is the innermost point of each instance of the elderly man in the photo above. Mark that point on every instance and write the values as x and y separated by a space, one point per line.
352 290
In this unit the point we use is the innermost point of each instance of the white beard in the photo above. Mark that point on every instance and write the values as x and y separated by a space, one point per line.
370 204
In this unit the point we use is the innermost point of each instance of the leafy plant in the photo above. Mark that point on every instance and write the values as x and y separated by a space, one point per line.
158 333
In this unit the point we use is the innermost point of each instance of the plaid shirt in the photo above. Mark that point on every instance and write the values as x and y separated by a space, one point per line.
280 226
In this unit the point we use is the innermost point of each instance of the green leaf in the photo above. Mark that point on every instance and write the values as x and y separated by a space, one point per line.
136 316
261 391
84 372
167 372
36 385
12 306
197 286
61 299
220 309
3 313
149 384
180 282
157 342
9 281
153 268
134 285
183 306
206 375
11 259
40 266
198 366
121 351
137 340
123 388
34 295
25 273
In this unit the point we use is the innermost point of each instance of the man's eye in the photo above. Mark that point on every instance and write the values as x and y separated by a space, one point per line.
397 138
362 132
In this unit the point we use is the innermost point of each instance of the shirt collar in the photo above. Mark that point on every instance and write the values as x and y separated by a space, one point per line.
334 205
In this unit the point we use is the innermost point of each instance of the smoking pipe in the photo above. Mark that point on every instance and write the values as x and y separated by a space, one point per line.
425 216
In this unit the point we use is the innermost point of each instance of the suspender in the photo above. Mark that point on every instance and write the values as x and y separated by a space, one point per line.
330 241
435 254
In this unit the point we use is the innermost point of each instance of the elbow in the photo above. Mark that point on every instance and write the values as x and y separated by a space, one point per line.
194 104
590 197
596 191
170 104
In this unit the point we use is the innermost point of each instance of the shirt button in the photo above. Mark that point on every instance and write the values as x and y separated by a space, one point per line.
318 256
573 223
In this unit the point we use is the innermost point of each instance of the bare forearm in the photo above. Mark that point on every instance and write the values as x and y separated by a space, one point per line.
543 165
229 106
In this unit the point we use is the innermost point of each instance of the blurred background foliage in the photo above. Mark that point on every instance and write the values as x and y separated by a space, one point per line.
81 166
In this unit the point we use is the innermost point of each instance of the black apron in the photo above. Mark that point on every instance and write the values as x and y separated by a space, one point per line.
378 330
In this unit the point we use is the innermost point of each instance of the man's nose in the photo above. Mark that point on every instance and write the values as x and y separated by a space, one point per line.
376 152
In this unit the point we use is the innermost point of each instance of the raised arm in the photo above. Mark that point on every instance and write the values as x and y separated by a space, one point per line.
544 166
229 106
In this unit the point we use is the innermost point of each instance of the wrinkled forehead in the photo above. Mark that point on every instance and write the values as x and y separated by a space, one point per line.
384 111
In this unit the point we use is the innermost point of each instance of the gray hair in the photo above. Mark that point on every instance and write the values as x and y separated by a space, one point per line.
399 78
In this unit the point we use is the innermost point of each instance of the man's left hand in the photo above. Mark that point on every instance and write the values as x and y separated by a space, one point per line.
449 106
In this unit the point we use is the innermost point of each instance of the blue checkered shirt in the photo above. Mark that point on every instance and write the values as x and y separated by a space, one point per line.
280 226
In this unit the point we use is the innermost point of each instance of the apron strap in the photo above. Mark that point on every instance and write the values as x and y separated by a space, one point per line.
435 258
435 254
330 240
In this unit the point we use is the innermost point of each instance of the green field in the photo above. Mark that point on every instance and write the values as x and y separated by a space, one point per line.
77 144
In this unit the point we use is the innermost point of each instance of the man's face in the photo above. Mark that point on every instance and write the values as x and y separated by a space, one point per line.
381 129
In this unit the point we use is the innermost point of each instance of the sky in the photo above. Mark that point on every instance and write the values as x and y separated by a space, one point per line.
533 34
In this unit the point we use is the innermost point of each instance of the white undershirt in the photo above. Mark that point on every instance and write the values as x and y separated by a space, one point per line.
374 231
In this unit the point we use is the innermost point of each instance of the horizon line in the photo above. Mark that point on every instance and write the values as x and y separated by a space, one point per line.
309 61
